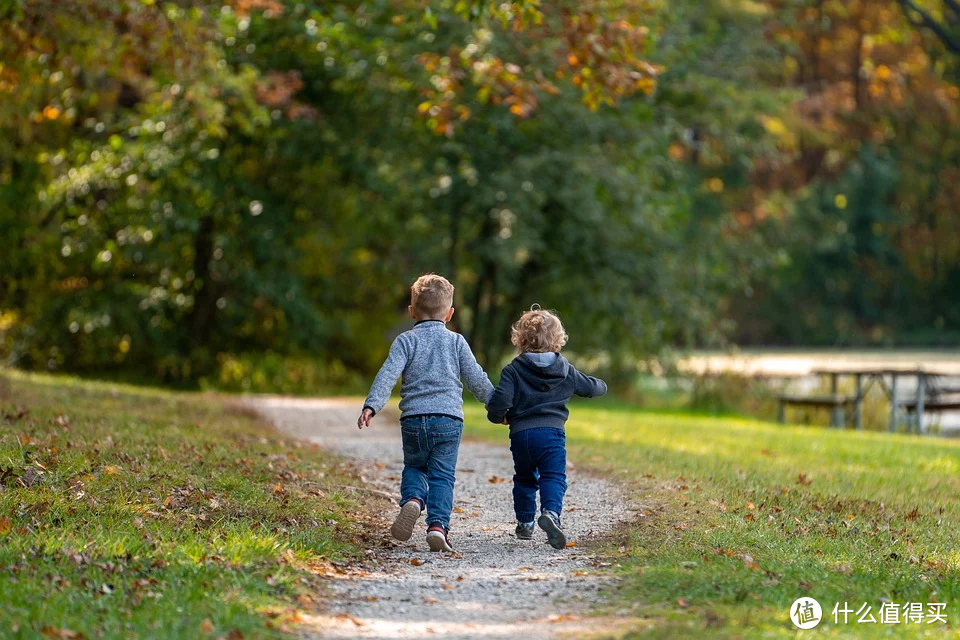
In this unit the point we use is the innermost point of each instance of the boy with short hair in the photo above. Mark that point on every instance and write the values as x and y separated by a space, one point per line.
532 398
431 361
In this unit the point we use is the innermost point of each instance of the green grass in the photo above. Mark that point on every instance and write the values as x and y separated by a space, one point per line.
739 518
137 513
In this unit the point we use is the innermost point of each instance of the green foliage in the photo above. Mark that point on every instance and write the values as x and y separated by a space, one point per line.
267 178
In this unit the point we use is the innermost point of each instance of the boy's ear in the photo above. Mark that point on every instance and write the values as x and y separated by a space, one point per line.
449 314
413 314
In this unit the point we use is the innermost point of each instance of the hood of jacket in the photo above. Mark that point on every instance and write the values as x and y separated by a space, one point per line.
540 377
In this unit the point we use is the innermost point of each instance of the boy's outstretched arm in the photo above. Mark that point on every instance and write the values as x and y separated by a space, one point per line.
588 386
383 384
502 399
473 374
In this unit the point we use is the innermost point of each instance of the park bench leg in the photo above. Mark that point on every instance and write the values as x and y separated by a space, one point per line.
858 405
893 404
921 392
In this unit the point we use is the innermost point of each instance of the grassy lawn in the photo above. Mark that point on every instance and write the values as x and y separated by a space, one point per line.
740 518
138 513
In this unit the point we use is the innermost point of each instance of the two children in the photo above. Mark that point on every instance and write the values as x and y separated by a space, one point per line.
531 398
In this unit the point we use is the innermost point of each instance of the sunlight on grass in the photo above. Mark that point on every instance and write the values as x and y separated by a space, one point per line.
740 517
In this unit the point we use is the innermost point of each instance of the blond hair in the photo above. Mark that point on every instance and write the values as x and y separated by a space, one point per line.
538 331
431 296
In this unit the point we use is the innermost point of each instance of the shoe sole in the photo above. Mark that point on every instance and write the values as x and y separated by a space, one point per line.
438 542
406 520
555 535
520 537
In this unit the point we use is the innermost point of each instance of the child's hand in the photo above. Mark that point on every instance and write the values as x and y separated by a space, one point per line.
364 419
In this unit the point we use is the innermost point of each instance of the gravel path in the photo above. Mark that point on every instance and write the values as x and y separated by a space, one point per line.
495 586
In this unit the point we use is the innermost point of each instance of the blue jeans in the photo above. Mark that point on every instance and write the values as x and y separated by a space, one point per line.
539 463
430 447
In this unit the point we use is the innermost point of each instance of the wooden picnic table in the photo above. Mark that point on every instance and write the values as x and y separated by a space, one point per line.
928 395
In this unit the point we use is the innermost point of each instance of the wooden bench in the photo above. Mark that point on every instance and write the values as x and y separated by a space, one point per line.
836 403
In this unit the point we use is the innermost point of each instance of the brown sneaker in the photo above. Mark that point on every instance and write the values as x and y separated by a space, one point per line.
406 520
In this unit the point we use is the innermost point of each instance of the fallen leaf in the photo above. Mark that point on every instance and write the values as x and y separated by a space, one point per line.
111 470
206 626
54 632
802 479
5 526
457 510
571 544
683 603
751 506
429 600
562 618
416 562
749 518
496 480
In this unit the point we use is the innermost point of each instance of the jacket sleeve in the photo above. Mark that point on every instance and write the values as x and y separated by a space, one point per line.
473 374
502 399
387 377
588 386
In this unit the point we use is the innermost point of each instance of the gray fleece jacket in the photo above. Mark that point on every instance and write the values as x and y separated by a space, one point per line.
431 360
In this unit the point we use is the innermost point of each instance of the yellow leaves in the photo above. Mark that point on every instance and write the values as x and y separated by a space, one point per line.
840 201
715 185
50 112
883 72
573 60
646 86
516 110
111 470
774 126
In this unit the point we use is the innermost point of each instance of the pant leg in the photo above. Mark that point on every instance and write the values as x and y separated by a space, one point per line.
413 480
525 478
443 436
551 454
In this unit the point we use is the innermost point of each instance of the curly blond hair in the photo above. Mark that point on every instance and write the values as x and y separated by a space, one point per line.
538 331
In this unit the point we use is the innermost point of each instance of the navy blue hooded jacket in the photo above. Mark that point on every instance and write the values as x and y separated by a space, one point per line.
534 390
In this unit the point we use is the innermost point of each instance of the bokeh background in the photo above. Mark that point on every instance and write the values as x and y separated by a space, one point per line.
237 194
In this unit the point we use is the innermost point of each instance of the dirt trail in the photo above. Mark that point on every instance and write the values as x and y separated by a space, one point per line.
495 586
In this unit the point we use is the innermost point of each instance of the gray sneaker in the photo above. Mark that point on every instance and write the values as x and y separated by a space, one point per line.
550 522
406 520
524 531
437 539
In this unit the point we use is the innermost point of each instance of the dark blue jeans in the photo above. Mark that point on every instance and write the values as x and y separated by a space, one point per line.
430 447
539 463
